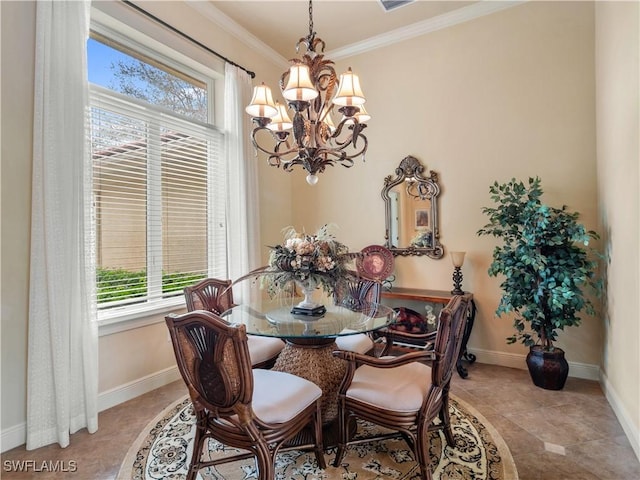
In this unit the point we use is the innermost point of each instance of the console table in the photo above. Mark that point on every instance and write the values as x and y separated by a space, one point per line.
438 297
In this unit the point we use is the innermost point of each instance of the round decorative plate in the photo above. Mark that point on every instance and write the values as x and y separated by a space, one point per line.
376 262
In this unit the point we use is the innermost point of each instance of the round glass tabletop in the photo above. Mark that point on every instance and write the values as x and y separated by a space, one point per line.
274 318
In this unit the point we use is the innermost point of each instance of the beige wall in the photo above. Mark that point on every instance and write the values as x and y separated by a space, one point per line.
18 43
618 127
506 95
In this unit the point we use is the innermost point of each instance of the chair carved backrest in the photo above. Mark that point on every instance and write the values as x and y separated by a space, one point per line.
211 294
358 288
216 296
448 340
451 323
356 293
213 359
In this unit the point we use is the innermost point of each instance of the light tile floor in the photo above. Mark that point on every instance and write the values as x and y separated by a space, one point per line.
553 435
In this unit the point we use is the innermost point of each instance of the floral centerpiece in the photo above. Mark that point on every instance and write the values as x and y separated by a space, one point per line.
311 261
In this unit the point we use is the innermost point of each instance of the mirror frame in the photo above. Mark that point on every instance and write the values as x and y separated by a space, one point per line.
410 167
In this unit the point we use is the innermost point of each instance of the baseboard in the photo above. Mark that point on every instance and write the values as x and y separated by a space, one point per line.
138 387
512 360
15 436
630 429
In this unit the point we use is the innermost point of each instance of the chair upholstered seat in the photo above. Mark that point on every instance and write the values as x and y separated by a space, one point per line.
401 392
270 387
359 343
263 350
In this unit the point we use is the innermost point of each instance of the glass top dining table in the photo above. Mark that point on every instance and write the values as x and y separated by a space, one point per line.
274 318
310 339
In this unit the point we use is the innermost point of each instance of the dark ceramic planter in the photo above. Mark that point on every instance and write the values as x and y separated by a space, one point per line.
548 369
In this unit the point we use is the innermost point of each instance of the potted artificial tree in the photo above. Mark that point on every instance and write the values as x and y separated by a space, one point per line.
545 266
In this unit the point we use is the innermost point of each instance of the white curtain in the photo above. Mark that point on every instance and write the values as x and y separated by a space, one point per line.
62 372
243 222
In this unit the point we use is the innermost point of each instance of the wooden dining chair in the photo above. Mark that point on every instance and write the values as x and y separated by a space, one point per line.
251 409
403 393
216 295
349 292
211 294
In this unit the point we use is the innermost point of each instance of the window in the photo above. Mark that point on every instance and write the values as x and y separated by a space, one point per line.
158 178
121 68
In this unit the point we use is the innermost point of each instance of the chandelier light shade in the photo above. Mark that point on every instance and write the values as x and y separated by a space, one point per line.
311 90
349 91
281 121
262 103
299 86
362 115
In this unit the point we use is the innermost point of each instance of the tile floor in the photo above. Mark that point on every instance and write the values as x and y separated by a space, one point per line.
568 434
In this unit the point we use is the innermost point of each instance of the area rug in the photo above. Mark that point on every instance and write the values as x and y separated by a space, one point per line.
163 450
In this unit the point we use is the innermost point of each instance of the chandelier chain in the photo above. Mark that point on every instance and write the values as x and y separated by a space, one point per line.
310 18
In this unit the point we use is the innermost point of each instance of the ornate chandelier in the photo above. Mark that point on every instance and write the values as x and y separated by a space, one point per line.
311 89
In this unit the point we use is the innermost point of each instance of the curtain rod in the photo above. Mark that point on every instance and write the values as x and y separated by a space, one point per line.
184 35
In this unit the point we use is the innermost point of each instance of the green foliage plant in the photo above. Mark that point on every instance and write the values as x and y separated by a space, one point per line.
543 259
114 284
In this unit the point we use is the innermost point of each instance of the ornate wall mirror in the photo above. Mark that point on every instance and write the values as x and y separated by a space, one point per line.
411 211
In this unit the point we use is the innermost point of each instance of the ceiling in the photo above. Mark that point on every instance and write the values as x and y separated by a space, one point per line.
341 24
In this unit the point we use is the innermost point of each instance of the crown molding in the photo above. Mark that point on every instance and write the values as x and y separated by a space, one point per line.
230 26
417 29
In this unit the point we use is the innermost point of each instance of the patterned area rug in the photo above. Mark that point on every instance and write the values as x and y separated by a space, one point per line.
163 450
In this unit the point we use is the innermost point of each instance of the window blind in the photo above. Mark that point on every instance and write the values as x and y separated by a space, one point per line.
159 200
